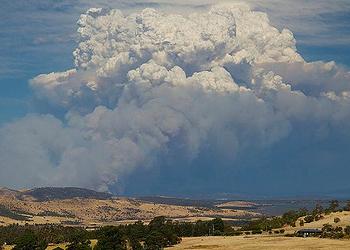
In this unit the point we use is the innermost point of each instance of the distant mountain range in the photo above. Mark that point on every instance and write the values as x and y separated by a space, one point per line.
60 193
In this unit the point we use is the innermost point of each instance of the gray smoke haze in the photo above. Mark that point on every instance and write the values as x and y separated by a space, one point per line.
151 85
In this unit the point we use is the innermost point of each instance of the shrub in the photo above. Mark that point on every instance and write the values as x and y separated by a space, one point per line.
256 232
282 231
327 228
276 232
317 217
309 219
301 223
337 235
247 233
336 220
347 230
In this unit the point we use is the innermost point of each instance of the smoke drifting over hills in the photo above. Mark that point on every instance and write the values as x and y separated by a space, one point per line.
149 85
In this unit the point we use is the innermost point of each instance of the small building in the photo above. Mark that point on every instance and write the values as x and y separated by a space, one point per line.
308 232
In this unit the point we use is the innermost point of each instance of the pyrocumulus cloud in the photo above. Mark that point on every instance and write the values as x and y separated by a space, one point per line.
150 83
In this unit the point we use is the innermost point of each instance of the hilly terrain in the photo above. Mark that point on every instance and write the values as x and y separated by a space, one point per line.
83 207
274 241
55 193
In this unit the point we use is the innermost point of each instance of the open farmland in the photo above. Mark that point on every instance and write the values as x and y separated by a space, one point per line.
260 242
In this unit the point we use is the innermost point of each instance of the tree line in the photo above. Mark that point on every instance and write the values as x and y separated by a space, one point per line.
159 233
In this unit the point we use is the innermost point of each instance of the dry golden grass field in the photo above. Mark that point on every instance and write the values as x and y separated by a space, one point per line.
260 243
99 212
343 216
248 243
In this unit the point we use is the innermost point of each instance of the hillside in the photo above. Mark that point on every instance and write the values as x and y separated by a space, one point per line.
72 206
327 219
238 204
55 193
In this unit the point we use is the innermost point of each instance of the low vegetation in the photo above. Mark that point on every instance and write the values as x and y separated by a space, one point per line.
162 232
159 233
4 211
55 193
291 218
337 232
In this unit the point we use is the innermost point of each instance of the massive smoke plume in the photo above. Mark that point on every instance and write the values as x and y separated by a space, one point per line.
149 85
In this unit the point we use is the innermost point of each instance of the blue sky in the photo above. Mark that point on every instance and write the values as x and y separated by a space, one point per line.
39 36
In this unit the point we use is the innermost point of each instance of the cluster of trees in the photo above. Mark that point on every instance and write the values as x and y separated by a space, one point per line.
291 217
318 212
267 224
14 234
335 232
4 211
159 233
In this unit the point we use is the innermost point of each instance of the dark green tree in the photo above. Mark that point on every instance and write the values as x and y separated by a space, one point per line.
334 204
218 224
79 241
29 241
301 223
155 240
327 228
347 206
347 230
157 223
309 219
110 238
336 220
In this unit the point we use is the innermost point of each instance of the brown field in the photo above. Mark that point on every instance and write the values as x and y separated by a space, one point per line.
248 243
260 243
238 204
98 212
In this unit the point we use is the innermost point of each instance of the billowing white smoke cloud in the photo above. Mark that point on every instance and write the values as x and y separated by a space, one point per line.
150 83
